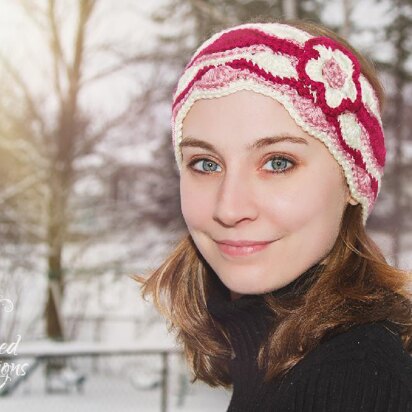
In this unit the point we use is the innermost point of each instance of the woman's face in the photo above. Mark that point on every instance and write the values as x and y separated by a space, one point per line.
242 181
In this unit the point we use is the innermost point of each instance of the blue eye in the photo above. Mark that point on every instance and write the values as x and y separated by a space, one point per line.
279 164
207 165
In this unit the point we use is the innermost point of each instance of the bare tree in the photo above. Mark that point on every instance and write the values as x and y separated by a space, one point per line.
393 215
401 33
49 143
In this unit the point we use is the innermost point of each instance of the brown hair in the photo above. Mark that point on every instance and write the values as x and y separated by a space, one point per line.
357 286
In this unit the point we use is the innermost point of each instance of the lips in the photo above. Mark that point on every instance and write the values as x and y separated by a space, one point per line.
241 247
244 242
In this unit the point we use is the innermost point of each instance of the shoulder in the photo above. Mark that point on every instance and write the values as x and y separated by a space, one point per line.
353 370
376 342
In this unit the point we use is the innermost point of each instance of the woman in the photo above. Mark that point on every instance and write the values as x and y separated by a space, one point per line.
277 291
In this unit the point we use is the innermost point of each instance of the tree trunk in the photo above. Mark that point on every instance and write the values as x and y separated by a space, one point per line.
54 324
290 9
347 24
398 190
61 179
55 241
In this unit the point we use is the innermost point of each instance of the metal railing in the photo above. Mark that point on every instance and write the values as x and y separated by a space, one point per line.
65 350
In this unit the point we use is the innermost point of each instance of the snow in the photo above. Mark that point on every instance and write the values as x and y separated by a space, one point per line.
123 383
108 394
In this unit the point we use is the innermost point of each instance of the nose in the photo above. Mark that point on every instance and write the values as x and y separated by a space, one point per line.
235 200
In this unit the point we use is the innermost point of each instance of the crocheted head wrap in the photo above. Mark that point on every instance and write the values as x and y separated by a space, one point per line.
316 79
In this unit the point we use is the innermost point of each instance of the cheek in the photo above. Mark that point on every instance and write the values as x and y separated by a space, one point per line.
323 204
299 202
196 203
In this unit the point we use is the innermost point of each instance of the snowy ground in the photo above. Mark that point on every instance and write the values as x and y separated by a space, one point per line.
124 383
106 394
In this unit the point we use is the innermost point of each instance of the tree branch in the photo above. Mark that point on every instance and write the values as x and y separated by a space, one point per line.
58 57
30 101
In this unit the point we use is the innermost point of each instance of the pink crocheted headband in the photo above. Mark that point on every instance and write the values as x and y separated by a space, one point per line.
316 79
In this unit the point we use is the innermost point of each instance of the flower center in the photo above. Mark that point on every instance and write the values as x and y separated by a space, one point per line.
333 74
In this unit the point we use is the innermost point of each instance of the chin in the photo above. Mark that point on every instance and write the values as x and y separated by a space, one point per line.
246 286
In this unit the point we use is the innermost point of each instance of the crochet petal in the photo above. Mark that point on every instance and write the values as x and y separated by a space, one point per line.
314 69
351 130
350 89
333 97
344 62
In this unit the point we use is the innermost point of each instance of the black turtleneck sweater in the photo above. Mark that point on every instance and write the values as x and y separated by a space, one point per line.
363 369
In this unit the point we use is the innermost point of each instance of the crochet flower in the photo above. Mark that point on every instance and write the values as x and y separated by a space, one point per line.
333 73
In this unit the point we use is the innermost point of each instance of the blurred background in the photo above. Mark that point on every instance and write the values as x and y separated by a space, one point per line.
89 189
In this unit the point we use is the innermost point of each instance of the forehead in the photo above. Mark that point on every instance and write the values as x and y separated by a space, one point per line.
245 118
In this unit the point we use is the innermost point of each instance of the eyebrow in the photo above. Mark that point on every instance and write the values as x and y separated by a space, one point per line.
189 141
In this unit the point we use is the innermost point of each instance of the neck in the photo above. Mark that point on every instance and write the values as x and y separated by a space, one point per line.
235 295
